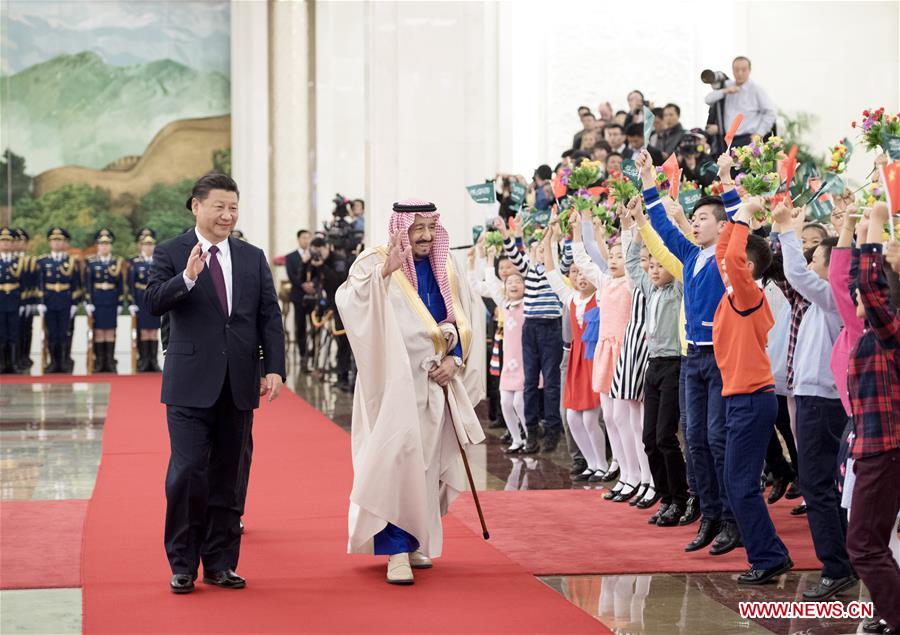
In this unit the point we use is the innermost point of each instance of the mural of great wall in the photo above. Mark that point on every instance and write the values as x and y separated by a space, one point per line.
181 150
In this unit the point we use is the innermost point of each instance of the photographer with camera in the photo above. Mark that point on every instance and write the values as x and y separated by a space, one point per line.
329 267
739 96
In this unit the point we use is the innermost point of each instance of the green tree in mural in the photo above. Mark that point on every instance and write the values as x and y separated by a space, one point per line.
222 161
14 183
81 209
163 210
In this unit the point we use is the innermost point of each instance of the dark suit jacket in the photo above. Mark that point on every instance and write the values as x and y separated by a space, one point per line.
203 342
296 271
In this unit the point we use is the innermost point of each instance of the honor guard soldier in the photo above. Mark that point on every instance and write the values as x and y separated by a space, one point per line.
29 298
104 293
11 303
60 291
147 324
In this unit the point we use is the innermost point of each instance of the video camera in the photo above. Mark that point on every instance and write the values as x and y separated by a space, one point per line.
713 78
339 233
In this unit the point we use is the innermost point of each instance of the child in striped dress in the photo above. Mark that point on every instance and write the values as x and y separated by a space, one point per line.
581 401
615 300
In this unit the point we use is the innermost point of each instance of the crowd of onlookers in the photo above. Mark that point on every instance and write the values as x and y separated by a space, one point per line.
695 358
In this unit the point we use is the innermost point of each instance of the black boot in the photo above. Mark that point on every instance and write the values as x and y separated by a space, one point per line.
98 357
531 443
4 360
152 356
13 363
53 367
111 365
142 356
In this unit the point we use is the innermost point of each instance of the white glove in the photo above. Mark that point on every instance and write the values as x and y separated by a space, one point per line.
89 308
72 311
41 309
133 309
22 309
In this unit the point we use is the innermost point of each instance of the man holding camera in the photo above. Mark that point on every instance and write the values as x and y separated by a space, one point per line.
329 268
741 96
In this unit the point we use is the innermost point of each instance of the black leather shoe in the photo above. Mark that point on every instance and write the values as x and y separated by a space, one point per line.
598 476
531 445
647 503
611 475
551 440
705 535
506 438
779 489
659 512
227 579
497 423
181 583
793 492
583 477
642 489
578 467
611 494
727 540
670 517
829 587
875 625
628 491
799 510
691 511
761 576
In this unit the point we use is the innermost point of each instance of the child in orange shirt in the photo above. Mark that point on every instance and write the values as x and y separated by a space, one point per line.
740 332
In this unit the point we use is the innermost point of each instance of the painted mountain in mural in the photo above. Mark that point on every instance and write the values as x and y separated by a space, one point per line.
78 110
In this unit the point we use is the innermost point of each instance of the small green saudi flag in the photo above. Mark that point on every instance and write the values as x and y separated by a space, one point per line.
482 193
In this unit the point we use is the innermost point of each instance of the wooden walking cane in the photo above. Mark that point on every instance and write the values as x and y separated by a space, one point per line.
462 451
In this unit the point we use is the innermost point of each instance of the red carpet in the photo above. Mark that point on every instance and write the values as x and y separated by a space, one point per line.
40 544
575 531
300 579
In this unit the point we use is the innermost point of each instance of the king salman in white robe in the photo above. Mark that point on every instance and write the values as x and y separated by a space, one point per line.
406 459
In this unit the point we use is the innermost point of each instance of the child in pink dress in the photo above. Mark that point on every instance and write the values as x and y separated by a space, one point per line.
614 295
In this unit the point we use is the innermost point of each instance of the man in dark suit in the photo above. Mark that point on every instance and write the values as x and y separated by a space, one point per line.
303 300
220 300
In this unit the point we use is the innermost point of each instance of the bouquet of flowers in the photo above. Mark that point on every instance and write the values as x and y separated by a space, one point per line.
621 188
582 176
876 126
758 165
662 181
532 233
714 189
840 157
689 186
493 239
870 194
607 218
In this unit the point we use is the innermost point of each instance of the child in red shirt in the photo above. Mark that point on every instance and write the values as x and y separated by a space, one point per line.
740 332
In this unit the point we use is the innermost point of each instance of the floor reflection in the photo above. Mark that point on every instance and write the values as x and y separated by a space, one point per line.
692 604
50 439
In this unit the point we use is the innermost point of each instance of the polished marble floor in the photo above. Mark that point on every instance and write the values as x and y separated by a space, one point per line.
50 441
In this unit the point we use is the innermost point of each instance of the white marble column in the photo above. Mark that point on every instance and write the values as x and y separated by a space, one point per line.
250 117
293 148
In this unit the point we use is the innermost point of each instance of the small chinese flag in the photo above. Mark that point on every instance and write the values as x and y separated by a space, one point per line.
670 168
729 136
789 167
890 176
675 186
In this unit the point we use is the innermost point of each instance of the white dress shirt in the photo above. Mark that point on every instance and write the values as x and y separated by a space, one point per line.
751 101
224 257
703 256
